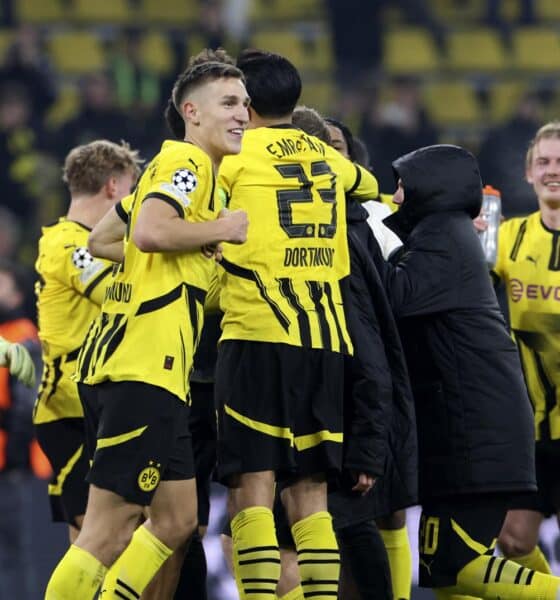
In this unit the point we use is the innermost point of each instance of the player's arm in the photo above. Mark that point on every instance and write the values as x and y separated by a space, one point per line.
356 181
160 227
106 240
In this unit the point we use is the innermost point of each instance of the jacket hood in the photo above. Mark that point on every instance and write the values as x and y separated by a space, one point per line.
436 179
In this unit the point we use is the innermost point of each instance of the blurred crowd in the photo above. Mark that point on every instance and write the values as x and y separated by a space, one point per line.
126 100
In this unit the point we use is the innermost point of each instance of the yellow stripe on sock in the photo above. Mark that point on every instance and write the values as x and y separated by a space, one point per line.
120 439
472 544
55 489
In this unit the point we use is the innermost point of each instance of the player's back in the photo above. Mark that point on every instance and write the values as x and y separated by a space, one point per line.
70 288
282 285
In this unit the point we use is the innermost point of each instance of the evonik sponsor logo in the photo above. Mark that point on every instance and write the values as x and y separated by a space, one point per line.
533 291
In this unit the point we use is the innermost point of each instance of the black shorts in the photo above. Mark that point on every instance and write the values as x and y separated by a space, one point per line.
202 424
455 531
547 499
136 434
63 442
279 409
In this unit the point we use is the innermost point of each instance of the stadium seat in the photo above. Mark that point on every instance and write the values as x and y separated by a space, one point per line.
451 103
280 10
503 98
318 95
39 11
410 50
156 53
477 49
536 49
65 108
169 12
309 50
458 12
6 38
76 52
546 10
101 11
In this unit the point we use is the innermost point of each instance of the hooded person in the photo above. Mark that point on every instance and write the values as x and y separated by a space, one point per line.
474 419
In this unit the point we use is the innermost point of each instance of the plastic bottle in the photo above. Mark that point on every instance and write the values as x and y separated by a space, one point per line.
491 212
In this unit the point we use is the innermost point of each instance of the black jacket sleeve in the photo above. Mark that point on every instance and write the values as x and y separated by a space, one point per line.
424 278
368 385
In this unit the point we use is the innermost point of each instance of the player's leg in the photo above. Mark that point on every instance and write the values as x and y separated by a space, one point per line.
106 531
456 544
172 516
202 424
519 537
256 556
394 533
316 545
63 442
364 556
253 442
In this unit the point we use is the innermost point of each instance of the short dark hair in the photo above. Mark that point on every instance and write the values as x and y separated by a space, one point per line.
347 136
207 65
310 121
272 81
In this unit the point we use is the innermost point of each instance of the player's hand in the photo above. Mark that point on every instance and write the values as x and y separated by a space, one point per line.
236 225
214 251
17 359
364 483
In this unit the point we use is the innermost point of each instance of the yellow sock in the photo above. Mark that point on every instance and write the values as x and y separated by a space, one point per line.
535 560
78 575
256 557
136 566
318 556
449 594
295 594
397 545
496 578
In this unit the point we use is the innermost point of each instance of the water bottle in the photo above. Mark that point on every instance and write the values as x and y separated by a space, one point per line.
491 212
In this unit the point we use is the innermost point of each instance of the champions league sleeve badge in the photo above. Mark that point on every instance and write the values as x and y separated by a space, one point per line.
81 258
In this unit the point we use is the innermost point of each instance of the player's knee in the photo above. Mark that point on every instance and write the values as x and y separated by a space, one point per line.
175 527
512 545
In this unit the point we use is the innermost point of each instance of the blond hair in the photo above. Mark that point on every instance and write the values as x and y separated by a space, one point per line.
87 168
548 131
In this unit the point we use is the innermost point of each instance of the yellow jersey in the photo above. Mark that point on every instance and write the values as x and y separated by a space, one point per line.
529 264
152 313
70 289
283 284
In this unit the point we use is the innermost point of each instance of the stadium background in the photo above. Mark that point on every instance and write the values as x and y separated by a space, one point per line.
481 73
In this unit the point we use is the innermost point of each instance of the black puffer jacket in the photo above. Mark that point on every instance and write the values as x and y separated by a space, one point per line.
473 416
380 431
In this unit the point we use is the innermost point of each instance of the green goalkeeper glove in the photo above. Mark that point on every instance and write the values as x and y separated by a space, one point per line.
17 359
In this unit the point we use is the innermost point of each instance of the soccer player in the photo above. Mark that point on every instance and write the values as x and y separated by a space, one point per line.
134 364
465 377
528 262
72 282
279 373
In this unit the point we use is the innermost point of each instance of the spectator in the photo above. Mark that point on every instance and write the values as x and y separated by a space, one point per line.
99 117
16 443
502 156
396 127
27 65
